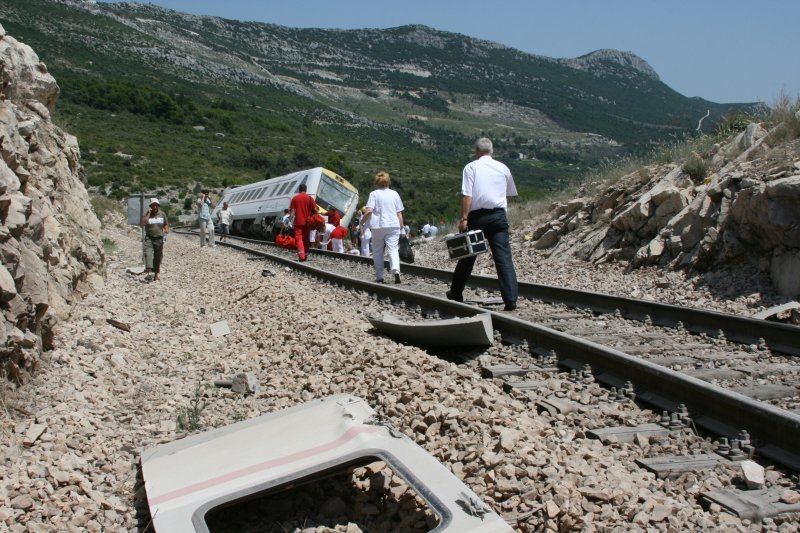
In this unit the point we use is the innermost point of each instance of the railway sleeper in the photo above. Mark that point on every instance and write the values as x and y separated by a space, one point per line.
672 466
767 392
628 434
497 371
754 505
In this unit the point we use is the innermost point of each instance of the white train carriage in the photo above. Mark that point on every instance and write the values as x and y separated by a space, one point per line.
258 207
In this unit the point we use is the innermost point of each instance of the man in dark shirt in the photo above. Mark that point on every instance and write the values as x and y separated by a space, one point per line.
301 209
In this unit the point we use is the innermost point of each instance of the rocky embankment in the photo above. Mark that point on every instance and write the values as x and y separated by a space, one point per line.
49 235
71 438
744 213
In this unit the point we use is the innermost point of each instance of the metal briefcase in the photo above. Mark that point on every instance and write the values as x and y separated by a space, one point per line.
466 244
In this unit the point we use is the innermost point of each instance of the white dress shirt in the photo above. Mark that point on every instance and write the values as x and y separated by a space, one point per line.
488 183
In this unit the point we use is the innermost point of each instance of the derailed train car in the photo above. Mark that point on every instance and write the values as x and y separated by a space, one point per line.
258 207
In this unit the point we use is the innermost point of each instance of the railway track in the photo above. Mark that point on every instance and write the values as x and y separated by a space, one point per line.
732 376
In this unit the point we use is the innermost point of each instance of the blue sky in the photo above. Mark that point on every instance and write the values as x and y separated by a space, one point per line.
721 50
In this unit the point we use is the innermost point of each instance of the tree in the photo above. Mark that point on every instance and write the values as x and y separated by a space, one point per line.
338 164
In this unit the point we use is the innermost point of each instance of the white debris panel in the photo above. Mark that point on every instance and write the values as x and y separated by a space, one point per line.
186 479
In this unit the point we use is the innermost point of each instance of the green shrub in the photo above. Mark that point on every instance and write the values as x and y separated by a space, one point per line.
189 416
696 167
733 123
109 245
103 205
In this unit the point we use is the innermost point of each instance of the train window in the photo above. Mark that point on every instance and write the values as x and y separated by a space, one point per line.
334 194
261 192
284 188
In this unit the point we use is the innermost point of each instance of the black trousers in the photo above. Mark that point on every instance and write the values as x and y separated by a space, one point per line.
494 224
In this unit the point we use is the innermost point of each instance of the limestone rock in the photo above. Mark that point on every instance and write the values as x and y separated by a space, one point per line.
753 474
49 235
245 383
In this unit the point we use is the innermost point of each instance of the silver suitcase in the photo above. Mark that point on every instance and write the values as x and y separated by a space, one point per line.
466 244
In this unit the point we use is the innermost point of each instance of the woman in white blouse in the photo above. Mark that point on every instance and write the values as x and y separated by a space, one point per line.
384 214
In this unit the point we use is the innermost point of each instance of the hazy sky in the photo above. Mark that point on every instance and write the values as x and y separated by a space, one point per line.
720 50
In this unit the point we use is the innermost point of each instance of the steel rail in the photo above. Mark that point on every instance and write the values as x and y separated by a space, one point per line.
775 431
783 338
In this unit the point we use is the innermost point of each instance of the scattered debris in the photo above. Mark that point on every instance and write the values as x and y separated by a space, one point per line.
775 311
119 325
464 331
136 271
248 293
276 469
220 329
245 383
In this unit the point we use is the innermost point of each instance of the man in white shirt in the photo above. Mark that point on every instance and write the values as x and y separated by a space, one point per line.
485 186
225 220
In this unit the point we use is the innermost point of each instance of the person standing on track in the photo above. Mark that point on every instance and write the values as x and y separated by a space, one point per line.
384 215
364 234
155 227
486 185
301 209
204 207
225 220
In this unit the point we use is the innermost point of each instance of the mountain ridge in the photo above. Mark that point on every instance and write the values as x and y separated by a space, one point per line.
407 98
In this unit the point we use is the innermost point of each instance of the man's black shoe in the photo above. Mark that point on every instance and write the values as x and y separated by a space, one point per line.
451 296
510 306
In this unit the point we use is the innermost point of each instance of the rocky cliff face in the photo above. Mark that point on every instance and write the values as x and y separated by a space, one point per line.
746 209
49 236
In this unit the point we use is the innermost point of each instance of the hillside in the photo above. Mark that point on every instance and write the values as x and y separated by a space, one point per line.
164 99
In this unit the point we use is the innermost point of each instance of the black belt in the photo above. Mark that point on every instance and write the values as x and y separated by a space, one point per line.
487 211
149 237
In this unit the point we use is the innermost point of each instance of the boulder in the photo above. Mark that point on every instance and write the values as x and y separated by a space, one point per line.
548 239
634 216
49 235
24 76
8 289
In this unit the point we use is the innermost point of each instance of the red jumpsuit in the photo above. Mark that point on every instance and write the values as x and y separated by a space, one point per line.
334 218
304 208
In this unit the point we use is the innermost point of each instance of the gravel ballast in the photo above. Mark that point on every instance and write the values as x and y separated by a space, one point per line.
104 394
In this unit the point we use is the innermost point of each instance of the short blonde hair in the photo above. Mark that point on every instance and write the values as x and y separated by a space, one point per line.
382 179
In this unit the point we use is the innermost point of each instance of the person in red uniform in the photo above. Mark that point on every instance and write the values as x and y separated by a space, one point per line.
301 209
333 217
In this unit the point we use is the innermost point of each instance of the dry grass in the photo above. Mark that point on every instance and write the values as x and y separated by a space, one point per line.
784 120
